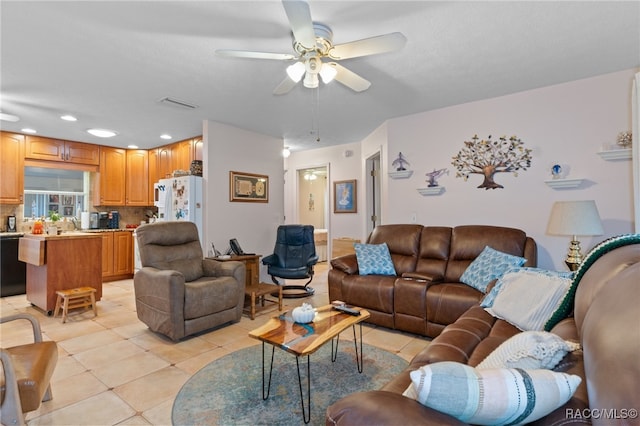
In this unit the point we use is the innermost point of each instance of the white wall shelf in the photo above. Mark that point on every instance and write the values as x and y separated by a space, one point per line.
432 190
564 183
402 174
616 154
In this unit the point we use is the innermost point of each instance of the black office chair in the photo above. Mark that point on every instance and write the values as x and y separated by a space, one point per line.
293 258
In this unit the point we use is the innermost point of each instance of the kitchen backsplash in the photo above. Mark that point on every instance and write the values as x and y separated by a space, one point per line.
128 216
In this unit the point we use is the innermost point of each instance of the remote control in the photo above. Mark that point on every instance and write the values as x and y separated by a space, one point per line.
347 310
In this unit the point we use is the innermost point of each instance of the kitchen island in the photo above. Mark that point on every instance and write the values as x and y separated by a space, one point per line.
60 262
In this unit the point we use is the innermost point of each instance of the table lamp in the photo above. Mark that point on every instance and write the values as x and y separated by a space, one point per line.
574 218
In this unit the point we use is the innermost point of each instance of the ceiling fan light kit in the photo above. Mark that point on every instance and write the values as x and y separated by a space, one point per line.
313 41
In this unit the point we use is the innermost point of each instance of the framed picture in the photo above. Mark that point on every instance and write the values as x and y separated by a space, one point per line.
345 196
248 187
67 211
54 208
67 200
54 198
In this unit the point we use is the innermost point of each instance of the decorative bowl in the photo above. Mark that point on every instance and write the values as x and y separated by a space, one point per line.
303 314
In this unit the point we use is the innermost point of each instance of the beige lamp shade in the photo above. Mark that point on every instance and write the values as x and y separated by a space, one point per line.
575 218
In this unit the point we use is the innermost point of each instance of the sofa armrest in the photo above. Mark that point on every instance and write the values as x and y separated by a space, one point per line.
347 264
216 268
435 278
162 289
384 408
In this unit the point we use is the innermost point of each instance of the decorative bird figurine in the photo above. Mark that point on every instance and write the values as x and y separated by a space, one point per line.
400 162
434 175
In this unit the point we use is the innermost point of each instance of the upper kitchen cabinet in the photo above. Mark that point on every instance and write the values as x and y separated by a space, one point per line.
181 153
137 178
153 173
113 170
39 148
124 177
197 148
11 168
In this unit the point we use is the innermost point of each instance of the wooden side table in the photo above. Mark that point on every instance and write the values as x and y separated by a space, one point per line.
254 290
257 293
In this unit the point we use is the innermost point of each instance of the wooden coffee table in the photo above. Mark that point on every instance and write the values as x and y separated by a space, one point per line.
304 339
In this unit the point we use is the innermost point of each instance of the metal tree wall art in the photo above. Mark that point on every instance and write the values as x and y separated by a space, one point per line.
488 157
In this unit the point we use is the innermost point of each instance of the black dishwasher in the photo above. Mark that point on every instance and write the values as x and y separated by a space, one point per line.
13 273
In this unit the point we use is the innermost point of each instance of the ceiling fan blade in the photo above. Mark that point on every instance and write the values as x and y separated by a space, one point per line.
350 79
285 86
368 46
299 16
245 54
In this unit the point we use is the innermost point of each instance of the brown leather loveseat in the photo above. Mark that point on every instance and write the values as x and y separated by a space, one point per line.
426 294
605 321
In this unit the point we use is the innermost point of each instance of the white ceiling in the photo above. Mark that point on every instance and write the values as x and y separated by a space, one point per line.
109 63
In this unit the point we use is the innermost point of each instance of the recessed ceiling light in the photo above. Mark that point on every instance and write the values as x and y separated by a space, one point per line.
165 136
27 130
132 146
102 133
68 117
9 117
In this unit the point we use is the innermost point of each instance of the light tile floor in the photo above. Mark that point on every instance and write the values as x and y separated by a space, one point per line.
112 370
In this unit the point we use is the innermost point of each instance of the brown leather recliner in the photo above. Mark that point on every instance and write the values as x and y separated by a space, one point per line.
178 292
26 376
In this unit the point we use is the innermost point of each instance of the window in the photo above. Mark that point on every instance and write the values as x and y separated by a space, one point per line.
57 190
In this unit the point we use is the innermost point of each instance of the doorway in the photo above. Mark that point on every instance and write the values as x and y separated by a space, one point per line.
313 204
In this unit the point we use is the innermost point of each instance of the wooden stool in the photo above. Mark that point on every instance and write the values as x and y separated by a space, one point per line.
259 291
81 297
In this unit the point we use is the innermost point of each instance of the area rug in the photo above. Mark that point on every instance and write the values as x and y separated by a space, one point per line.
228 390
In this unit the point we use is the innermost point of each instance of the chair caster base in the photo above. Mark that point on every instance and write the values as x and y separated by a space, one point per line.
296 291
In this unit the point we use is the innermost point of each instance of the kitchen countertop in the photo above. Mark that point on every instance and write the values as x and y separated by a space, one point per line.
64 236
11 234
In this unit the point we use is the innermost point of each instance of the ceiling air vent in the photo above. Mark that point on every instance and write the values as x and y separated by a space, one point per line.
177 103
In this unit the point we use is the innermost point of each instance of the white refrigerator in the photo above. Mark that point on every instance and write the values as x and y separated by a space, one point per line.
180 198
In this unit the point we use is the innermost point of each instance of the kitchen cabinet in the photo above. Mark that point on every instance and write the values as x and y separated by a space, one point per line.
181 153
11 168
164 162
117 255
176 156
124 177
137 178
40 148
113 169
197 144
153 173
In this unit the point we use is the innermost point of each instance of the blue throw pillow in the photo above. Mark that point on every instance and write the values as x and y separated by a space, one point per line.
489 265
374 259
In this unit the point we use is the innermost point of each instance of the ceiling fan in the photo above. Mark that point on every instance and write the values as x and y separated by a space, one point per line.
312 42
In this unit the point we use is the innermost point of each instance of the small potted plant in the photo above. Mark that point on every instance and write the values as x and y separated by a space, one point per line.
53 229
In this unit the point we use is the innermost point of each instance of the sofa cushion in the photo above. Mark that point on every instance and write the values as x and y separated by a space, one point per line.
529 350
527 299
374 259
494 396
512 274
488 266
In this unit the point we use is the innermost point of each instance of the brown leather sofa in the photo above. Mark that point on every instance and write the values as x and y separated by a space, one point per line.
606 322
426 294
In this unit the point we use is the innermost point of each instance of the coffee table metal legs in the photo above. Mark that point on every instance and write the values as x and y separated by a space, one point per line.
306 413
334 350
273 349
305 416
